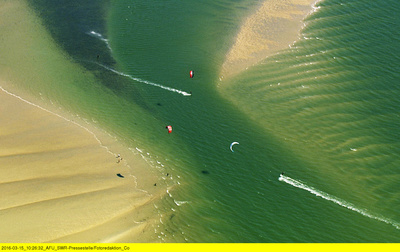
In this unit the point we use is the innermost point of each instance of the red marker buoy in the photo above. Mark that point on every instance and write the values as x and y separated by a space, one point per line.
191 73
169 127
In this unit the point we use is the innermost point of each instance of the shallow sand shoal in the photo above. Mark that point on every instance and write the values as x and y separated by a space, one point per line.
58 180
272 27
59 184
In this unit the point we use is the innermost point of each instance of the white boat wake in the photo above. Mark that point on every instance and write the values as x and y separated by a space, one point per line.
101 37
336 200
145 81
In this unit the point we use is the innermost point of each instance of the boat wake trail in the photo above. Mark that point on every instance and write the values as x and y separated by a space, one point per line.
338 201
145 81
99 36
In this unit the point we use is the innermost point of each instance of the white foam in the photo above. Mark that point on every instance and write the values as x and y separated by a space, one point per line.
340 202
99 36
180 202
145 81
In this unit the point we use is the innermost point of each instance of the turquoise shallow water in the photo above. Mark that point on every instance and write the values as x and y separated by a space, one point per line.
325 111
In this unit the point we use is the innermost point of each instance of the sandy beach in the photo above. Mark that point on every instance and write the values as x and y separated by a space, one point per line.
272 27
59 182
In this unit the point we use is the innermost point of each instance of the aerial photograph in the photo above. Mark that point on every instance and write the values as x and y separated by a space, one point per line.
199 121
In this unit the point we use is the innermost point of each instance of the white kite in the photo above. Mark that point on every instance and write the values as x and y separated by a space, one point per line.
232 144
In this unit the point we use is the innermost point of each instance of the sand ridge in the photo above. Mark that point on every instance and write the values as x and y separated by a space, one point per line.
57 181
59 176
272 27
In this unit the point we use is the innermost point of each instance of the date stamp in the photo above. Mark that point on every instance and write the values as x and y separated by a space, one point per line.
21 247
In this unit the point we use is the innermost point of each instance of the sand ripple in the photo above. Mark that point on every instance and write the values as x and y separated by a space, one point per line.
59 184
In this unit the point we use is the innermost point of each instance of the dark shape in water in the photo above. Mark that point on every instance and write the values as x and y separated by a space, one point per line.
159 104
120 175
205 172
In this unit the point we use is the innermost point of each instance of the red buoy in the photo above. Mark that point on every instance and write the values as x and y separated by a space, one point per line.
191 73
169 127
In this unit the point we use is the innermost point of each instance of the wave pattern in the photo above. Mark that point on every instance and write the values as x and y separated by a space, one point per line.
331 97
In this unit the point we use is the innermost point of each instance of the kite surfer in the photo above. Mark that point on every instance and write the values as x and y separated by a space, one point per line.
169 127
232 144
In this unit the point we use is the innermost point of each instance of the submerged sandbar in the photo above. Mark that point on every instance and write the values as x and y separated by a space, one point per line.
59 179
59 183
272 27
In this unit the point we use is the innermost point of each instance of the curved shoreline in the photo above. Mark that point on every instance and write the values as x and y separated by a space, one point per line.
274 26
57 173
59 178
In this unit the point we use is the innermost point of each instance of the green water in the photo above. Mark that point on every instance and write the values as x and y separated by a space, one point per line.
325 111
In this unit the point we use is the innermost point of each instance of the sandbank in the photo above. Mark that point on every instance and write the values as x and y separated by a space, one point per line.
59 183
59 179
272 27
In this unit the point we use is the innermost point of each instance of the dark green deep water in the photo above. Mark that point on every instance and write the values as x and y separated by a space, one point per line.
325 111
